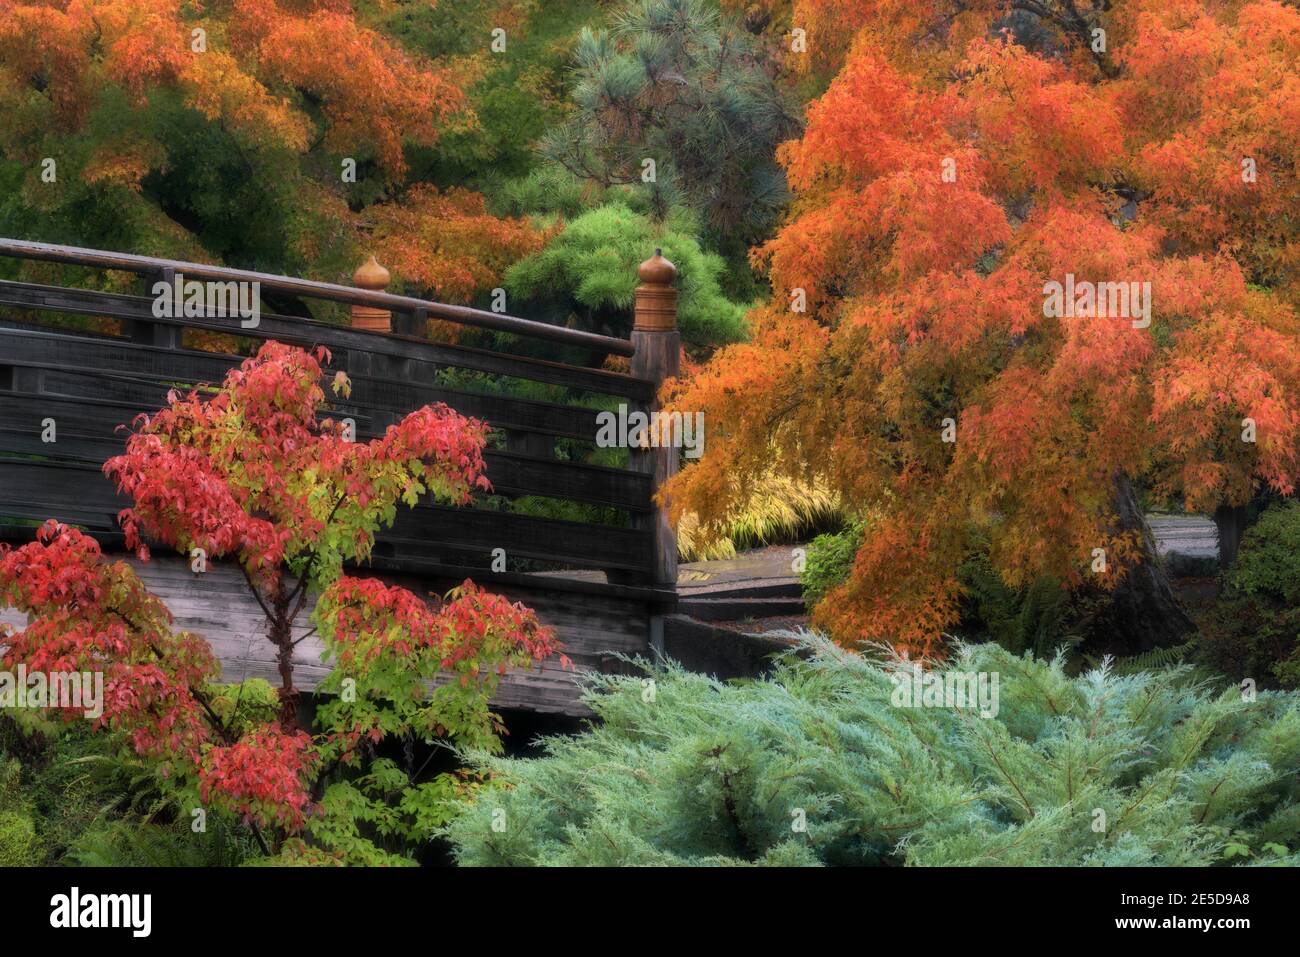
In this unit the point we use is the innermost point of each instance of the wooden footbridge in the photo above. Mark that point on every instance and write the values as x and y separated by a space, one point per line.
605 585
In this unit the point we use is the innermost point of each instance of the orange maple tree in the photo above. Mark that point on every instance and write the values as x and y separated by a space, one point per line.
963 158
291 91
259 67
447 243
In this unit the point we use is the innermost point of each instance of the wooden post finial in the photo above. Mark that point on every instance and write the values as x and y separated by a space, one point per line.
656 297
370 275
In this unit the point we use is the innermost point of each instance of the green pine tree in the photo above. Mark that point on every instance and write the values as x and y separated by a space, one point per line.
676 84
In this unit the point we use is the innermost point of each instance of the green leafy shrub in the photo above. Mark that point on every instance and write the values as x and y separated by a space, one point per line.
246 705
590 270
815 765
46 786
131 843
830 556
1255 630
18 845
1155 658
89 803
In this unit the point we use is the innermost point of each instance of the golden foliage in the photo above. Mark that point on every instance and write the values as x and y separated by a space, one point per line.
448 242
773 509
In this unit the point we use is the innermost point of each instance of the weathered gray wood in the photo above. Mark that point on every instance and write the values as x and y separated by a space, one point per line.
513 474
153 266
37 490
658 358
94 416
89 431
536 446
218 606
308 332
66 350
32 347
500 412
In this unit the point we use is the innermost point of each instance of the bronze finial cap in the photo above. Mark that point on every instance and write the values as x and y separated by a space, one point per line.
370 275
657 271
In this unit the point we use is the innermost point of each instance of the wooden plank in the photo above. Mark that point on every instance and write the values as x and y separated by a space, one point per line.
308 332
88 430
84 357
576 581
515 474
593 629
142 393
578 544
82 494
72 352
501 412
93 415
25 325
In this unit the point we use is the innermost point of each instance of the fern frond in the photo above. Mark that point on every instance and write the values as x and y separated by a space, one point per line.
1153 660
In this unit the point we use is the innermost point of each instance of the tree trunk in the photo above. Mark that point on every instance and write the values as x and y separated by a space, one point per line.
288 693
281 635
1230 520
1144 613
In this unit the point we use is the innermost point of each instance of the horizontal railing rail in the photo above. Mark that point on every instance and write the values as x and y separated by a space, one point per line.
65 358
297 330
92 430
310 288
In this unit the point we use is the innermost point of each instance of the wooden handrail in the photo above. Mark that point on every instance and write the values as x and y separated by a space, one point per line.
295 330
150 265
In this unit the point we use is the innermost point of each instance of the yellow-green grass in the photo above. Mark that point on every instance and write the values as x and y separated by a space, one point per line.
778 510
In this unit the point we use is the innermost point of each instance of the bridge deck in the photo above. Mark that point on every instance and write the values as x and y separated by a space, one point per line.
594 626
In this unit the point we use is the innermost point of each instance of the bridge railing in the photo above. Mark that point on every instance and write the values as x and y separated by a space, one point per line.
91 382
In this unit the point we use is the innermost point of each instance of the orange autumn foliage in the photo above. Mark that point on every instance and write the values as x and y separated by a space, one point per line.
946 175
370 93
447 243
373 94
291 89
